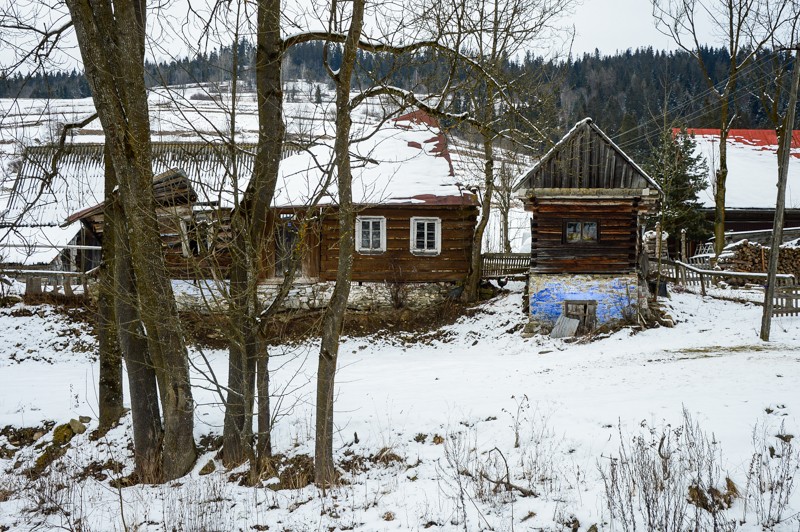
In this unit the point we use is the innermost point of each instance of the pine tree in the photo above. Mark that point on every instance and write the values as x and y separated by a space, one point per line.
682 174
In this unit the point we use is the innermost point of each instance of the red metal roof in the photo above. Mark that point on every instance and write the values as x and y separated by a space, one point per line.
439 140
766 139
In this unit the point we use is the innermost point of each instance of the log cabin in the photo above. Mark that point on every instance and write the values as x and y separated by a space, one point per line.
588 200
414 222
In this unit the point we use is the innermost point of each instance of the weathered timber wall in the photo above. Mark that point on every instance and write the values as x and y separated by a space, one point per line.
397 263
616 246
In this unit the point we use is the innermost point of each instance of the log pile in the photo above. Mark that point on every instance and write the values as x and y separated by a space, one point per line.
745 256
650 242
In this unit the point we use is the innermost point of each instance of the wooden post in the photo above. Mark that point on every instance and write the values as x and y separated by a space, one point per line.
33 285
684 258
658 241
777 224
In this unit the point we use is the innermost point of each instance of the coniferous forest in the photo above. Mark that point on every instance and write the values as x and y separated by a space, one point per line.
631 94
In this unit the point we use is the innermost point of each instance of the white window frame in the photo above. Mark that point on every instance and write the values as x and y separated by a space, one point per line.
438 235
371 251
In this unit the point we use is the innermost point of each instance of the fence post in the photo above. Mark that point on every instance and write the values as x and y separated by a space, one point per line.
684 258
33 285
702 284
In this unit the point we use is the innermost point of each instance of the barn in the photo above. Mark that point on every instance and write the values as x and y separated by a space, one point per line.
751 186
414 221
587 200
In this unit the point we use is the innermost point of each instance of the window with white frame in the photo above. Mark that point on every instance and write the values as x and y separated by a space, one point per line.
370 234
426 236
197 235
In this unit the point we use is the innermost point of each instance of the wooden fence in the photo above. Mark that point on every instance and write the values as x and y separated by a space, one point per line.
498 265
786 301
688 275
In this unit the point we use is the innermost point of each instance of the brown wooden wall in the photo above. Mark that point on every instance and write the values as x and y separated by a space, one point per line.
616 247
214 263
204 266
321 247
309 266
398 263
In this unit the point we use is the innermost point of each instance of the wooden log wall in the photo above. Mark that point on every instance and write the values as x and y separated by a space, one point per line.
206 264
397 263
616 247
309 266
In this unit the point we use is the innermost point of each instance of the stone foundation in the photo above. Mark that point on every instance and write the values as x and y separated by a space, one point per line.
314 295
618 297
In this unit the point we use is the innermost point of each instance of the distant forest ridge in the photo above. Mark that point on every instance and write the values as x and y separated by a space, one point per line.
625 93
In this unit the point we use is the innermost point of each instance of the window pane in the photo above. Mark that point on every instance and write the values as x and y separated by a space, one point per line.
419 242
573 231
590 231
431 236
365 235
376 234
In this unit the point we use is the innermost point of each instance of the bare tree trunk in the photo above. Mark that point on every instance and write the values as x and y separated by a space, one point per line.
237 429
784 156
333 319
472 284
264 417
721 179
111 39
250 230
110 381
147 430
504 212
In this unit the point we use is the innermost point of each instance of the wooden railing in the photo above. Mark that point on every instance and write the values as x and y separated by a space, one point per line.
498 265
786 301
688 275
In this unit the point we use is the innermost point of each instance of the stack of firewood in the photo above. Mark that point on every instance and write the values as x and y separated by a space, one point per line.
650 241
745 256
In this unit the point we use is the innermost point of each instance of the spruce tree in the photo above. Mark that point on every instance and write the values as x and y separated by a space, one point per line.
682 174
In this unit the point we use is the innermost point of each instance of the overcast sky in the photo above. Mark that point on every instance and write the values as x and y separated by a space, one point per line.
608 25
611 25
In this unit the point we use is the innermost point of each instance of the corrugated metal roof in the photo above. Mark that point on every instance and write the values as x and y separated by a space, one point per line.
762 138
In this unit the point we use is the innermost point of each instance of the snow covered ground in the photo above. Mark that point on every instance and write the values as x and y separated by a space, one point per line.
435 415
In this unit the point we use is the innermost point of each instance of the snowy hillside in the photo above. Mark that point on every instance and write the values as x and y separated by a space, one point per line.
441 420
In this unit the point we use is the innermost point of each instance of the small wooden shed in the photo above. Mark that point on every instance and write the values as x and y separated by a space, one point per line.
587 199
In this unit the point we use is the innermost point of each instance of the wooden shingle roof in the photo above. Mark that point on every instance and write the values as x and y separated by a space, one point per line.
586 161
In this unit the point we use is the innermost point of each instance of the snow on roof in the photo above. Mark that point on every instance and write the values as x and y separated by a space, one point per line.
752 168
28 246
405 160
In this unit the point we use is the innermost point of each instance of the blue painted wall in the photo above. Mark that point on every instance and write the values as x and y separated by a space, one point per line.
616 296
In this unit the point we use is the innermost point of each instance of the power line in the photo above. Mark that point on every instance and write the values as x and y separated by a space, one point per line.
749 69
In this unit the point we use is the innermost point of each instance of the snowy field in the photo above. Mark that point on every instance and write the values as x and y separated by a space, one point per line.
442 420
